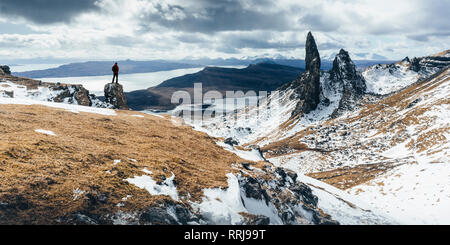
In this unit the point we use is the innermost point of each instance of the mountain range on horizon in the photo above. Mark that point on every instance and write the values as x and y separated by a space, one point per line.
100 68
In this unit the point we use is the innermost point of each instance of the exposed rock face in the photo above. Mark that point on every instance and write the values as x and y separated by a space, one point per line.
5 69
291 198
312 59
349 80
344 70
115 96
293 202
430 64
7 94
72 94
307 86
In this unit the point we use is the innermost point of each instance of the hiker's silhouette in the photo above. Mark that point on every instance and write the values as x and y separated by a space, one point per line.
115 70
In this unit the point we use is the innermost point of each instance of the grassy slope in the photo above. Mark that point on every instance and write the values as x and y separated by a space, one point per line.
38 172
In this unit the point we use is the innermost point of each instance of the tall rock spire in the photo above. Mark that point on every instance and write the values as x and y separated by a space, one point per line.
307 86
312 58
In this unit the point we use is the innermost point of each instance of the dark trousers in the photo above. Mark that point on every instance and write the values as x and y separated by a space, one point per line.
116 76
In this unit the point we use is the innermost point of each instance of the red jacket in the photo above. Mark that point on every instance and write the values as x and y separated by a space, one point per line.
115 69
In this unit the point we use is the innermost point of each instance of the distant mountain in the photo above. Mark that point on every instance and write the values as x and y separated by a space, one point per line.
299 63
259 77
100 68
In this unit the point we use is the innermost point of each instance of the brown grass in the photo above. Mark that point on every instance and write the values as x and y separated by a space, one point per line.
348 177
38 172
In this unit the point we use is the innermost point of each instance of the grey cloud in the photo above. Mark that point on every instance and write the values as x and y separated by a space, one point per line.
419 37
319 22
260 44
46 11
330 45
378 57
191 38
424 37
435 15
215 16
125 41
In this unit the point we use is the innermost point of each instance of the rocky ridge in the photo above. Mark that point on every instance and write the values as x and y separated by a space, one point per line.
25 88
343 79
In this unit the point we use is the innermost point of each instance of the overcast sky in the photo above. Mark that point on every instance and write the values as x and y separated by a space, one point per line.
175 29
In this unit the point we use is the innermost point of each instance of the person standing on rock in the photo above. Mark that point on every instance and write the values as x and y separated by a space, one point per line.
115 70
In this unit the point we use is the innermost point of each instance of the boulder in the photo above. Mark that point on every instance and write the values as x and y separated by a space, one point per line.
5 69
115 96
231 141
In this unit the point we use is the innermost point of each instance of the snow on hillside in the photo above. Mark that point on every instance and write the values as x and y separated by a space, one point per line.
250 122
223 207
417 193
266 121
41 93
405 137
347 209
68 107
43 131
12 93
414 193
392 154
167 187
385 79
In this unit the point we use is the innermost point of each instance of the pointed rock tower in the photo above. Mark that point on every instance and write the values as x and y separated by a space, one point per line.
307 86
351 81
344 70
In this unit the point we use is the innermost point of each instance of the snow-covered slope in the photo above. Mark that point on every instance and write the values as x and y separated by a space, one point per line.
385 79
394 154
33 90
391 151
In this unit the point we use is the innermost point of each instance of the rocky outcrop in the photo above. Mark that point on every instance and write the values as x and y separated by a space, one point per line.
352 84
344 71
115 96
293 200
307 86
71 94
430 64
5 69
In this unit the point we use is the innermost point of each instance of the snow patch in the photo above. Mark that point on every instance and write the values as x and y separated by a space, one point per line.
77 193
222 207
47 132
252 155
165 188
68 107
145 170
